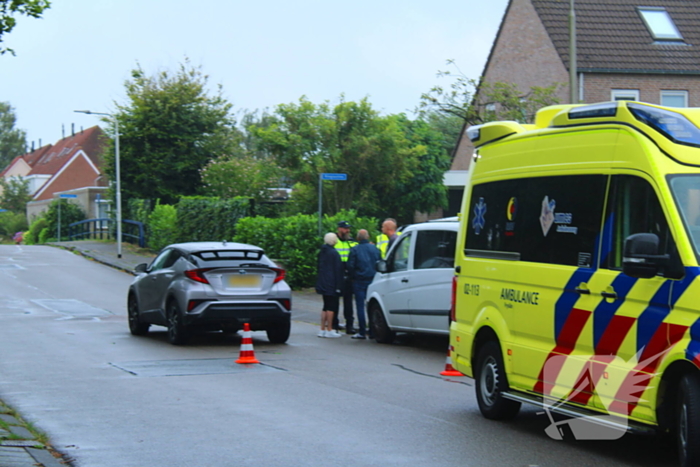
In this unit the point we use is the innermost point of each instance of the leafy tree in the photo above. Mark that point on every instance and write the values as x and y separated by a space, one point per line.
10 8
350 137
15 194
231 176
476 102
423 190
13 141
12 222
170 128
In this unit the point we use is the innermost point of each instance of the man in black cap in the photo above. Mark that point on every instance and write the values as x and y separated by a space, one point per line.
345 242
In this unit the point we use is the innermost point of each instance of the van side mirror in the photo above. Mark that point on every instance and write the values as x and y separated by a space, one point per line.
141 268
380 266
641 256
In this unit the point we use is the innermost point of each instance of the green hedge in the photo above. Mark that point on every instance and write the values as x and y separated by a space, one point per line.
201 219
295 242
162 227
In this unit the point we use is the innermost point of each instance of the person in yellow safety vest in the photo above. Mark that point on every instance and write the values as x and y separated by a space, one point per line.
345 242
388 235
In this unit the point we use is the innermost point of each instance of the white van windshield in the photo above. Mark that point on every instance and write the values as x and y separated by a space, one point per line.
686 191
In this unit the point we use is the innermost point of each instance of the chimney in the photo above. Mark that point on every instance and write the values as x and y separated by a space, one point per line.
72 129
63 130
32 146
39 142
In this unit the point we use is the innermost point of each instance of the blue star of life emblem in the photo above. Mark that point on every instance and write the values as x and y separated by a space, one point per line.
479 211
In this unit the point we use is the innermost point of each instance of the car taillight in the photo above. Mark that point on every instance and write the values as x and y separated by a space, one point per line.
280 275
453 300
197 275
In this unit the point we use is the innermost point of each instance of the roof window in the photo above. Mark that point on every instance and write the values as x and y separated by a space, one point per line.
660 24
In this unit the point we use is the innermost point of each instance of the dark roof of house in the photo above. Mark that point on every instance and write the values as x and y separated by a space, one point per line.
50 161
612 37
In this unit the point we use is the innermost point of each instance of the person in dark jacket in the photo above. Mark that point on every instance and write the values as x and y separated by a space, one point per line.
360 267
329 283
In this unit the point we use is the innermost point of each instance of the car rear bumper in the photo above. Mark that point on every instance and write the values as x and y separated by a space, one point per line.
261 314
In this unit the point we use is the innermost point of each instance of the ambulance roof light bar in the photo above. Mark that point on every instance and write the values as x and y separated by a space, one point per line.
606 109
672 125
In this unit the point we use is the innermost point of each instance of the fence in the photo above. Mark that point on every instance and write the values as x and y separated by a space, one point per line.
104 228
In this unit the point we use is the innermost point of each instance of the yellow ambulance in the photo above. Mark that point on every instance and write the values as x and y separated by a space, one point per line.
575 272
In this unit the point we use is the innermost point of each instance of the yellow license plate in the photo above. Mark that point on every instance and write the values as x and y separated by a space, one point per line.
244 280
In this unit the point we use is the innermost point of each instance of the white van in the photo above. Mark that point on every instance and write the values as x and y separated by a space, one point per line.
411 290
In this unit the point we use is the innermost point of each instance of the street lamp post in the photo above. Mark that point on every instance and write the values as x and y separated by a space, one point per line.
118 177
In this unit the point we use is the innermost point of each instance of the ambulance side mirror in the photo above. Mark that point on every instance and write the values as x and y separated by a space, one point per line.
641 256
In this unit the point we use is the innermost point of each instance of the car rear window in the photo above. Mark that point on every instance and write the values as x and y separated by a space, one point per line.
229 254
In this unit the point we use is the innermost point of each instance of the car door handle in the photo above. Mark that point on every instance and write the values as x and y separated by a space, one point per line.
612 295
405 279
582 291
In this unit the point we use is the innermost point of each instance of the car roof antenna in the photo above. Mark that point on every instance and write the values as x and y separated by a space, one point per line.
224 242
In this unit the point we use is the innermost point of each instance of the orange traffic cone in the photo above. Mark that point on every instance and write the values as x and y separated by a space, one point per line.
247 353
449 371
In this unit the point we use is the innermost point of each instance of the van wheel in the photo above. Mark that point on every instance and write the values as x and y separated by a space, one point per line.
688 420
382 333
491 383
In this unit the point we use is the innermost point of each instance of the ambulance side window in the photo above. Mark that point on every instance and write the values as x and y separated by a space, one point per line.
553 220
633 207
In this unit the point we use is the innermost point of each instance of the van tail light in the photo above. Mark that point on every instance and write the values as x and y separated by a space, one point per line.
454 299
197 275
281 273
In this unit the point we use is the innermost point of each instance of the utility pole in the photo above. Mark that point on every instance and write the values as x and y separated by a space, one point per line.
572 56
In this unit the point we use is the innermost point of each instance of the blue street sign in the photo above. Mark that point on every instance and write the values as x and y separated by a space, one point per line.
334 176
64 195
3 210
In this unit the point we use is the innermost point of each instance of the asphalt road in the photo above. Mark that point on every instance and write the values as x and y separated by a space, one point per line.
106 398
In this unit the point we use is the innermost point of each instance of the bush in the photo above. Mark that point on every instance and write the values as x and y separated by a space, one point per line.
69 213
162 227
202 218
11 223
45 235
32 236
295 242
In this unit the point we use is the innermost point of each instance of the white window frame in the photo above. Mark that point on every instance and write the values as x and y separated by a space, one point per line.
624 94
660 24
669 93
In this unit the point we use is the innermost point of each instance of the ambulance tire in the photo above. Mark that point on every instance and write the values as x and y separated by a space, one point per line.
491 383
688 420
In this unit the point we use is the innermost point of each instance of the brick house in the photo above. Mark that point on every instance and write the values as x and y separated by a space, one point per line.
646 50
71 166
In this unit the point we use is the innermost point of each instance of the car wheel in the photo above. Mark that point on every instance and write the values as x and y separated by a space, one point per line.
177 333
136 326
491 383
382 333
688 420
280 333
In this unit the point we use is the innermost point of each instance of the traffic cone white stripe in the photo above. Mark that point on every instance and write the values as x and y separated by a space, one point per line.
449 370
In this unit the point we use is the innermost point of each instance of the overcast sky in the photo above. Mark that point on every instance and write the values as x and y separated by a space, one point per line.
263 52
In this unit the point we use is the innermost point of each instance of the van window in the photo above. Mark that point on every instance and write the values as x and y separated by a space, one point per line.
398 259
545 219
686 192
633 207
435 249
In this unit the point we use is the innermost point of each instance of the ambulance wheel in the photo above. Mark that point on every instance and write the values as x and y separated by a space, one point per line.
688 420
380 328
491 383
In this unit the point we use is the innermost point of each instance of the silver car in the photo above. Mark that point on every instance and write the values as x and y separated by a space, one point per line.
412 289
210 286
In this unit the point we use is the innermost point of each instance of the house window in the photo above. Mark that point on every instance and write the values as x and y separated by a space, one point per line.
674 98
624 95
660 25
